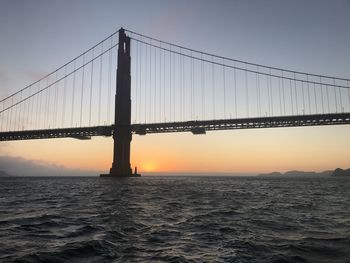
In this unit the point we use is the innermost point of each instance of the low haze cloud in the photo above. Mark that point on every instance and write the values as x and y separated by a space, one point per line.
22 167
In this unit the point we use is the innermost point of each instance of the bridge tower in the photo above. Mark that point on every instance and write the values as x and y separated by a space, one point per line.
122 123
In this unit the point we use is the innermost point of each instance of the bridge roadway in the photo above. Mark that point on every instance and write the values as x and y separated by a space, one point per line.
196 127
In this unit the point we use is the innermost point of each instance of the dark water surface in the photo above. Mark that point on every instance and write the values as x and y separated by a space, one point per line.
175 219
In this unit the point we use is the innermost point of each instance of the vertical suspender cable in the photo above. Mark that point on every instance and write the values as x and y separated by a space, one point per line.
180 69
47 104
100 87
174 89
283 95
170 84
268 95
340 97
10 118
335 98
109 82
27 110
136 80
315 98
14 121
202 87
164 86
73 96
258 91
308 92
150 82
20 112
55 103
271 91
296 95
43 110
193 102
7 117
41 94
17 121
322 95
170 89
91 84
302 89
64 96
279 95
235 88
192 93
2 116
145 88
224 84
155 86
140 81
37 108
327 92
40 111
29 107
246 90
291 95
347 82
213 85
82 92
34 110
183 89
160 82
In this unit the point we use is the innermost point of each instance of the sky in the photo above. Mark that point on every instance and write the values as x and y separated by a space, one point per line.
38 36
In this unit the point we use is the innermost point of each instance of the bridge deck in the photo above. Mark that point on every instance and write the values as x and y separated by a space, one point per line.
196 127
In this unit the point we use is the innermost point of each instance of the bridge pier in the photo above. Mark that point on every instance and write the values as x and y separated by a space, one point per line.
122 135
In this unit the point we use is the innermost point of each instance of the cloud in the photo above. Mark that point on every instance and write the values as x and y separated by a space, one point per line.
23 167
35 75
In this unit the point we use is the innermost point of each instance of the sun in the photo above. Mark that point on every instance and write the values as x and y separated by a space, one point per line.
149 166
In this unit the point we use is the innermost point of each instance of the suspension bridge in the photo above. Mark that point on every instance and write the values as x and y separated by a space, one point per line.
163 87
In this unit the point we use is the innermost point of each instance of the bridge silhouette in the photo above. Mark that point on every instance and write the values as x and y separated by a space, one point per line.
163 87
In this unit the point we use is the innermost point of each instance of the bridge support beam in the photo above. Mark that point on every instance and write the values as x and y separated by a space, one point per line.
122 125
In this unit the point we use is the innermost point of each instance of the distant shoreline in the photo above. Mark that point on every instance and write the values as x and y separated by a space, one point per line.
338 172
294 173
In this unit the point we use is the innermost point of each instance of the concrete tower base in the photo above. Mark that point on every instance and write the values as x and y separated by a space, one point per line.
120 176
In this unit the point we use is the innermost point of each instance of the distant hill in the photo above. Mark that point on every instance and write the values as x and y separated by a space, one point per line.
341 172
297 174
3 173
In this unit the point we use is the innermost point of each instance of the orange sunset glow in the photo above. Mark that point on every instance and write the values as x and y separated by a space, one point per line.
235 152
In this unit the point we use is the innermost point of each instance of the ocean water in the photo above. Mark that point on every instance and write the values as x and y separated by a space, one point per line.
174 219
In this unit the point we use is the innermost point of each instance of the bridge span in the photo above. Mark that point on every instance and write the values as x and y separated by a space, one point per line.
196 127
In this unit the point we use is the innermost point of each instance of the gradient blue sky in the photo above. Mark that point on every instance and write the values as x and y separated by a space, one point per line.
38 36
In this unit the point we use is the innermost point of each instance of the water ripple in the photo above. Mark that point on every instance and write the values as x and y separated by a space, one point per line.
174 219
